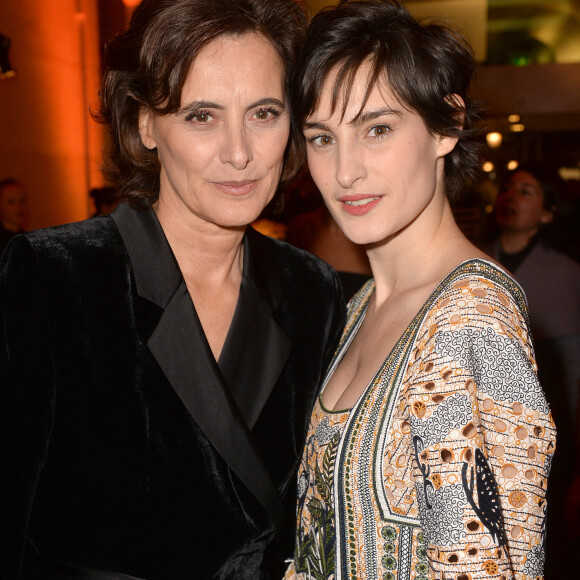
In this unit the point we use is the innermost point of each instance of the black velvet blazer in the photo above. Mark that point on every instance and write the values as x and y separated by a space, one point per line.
126 450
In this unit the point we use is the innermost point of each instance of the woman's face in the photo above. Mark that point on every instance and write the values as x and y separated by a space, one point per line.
520 204
13 206
221 154
378 172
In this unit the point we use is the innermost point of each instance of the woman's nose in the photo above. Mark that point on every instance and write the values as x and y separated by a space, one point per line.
349 167
236 148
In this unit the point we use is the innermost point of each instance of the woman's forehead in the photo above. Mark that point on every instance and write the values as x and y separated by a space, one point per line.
349 95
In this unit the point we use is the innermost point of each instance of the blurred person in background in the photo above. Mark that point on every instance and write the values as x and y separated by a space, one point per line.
158 365
530 245
105 200
13 210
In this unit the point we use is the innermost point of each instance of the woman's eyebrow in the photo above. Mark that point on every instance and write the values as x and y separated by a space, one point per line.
196 105
364 117
367 116
315 125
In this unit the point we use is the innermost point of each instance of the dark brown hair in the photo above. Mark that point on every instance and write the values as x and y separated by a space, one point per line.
424 63
147 66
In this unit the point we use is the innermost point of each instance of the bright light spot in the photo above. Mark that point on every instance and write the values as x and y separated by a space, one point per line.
511 165
514 118
488 166
567 173
517 127
493 139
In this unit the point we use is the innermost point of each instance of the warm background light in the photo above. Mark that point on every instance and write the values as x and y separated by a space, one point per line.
493 139
48 139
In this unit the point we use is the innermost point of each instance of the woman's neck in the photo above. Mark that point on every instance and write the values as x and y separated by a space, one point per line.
204 252
421 254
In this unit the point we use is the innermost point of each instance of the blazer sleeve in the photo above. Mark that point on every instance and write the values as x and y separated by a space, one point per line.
27 394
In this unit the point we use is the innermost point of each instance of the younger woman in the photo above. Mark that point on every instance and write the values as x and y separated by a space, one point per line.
429 449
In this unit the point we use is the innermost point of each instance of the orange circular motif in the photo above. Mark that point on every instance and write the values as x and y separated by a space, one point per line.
490 567
518 498
469 430
484 308
479 292
503 299
521 432
488 404
517 531
509 470
419 408
470 386
446 455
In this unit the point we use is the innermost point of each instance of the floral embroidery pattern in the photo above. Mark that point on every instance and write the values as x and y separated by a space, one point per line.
440 469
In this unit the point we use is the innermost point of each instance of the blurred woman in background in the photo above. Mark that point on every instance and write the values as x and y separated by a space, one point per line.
529 244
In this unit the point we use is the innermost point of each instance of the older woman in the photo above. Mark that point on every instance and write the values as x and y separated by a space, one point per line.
430 444
158 366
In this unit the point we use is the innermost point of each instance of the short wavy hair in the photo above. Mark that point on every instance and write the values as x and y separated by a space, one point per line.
423 62
147 66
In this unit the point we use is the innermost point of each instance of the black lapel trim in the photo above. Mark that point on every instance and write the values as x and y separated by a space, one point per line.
181 350
256 349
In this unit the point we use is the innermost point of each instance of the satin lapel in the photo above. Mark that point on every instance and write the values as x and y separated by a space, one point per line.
251 372
181 350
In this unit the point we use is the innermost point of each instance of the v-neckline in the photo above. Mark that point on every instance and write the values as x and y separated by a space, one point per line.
470 265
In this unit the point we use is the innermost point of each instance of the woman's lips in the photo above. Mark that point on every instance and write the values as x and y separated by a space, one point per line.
236 187
359 204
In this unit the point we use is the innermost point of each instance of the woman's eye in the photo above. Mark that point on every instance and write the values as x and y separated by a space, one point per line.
266 114
321 140
379 131
200 117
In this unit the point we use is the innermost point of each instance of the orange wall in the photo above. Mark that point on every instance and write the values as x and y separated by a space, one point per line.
47 139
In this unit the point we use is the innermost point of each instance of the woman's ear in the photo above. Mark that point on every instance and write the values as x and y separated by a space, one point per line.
447 142
146 128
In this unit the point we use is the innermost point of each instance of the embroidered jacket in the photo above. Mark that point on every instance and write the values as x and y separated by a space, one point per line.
440 468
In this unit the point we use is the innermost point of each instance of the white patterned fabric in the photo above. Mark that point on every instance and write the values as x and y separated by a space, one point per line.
440 469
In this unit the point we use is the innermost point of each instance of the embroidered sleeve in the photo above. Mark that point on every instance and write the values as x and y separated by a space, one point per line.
482 436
